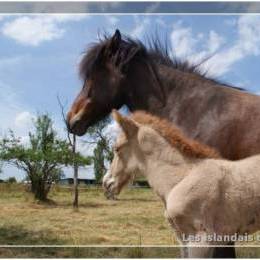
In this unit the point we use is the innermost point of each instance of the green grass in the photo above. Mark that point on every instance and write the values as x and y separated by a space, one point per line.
135 219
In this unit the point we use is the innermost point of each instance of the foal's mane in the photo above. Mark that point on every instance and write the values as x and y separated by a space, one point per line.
174 136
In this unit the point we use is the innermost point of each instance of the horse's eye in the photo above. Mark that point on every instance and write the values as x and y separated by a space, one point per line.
87 88
84 84
89 92
117 148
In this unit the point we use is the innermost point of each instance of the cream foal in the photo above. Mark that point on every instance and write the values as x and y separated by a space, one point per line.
203 194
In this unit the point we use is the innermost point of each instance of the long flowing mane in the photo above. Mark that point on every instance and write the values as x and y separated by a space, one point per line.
155 52
175 137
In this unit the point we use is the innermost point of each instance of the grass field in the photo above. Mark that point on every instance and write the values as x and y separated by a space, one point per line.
135 219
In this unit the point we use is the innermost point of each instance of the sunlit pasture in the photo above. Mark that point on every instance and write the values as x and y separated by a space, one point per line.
136 218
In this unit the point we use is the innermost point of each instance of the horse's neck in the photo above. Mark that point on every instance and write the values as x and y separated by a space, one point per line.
166 167
144 92
181 90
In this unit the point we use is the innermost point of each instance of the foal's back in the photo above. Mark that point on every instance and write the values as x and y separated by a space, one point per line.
224 195
242 193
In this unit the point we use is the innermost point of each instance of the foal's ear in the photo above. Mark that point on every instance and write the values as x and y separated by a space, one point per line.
115 41
129 127
146 140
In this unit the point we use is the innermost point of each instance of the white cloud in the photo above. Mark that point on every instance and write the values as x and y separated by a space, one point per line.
141 24
161 22
249 34
182 40
186 44
35 29
23 119
195 47
32 31
246 44
67 17
222 62
12 111
113 20
214 41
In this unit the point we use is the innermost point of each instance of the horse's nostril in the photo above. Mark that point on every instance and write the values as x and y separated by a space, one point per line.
77 127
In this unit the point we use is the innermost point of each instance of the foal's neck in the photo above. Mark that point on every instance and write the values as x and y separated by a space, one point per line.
165 167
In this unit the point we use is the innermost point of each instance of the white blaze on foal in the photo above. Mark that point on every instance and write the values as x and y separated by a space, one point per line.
203 194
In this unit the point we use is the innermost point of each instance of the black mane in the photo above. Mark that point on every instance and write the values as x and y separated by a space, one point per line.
156 52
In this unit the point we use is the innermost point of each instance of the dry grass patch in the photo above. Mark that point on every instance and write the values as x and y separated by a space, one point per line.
135 219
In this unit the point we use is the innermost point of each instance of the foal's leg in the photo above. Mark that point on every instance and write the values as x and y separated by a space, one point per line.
183 244
179 235
200 249
184 250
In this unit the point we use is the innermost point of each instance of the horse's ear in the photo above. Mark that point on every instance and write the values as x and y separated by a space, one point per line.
115 42
117 35
129 127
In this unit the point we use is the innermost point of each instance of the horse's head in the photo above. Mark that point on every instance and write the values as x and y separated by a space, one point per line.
116 71
127 156
102 69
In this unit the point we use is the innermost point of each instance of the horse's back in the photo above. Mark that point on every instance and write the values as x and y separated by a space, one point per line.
239 135
230 124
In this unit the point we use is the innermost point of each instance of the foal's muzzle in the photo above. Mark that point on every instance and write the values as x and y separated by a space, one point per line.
109 186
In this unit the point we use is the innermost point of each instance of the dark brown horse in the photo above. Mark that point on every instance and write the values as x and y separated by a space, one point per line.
119 71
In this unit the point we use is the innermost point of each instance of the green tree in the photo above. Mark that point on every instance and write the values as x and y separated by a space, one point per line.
103 149
42 158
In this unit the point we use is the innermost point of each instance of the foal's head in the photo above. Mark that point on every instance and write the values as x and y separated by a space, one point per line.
144 134
128 156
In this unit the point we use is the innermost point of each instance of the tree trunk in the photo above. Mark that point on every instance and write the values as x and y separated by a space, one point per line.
75 169
38 188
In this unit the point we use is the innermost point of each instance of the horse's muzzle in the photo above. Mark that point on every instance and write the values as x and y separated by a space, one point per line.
77 127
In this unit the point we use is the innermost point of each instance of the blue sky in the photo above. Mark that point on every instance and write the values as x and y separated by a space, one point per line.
39 55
